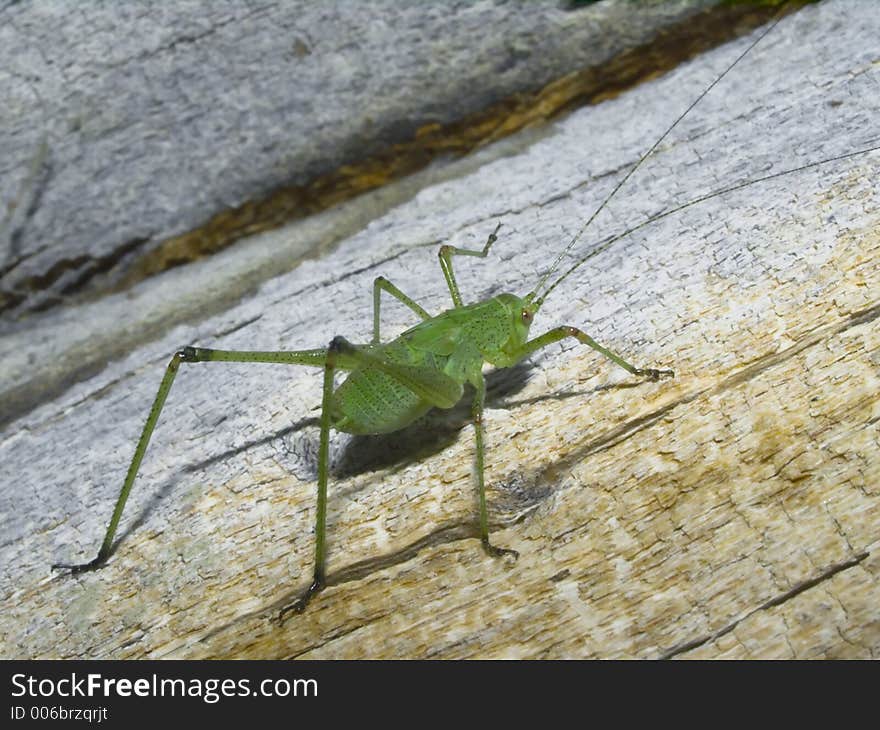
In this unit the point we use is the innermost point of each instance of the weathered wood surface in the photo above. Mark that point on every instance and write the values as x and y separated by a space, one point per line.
54 242
80 332
172 113
732 512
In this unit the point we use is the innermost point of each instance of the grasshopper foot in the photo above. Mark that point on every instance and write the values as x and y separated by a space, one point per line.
497 552
98 562
654 375
299 605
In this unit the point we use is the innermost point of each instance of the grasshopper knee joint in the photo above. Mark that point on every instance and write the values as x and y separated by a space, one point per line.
193 354
338 344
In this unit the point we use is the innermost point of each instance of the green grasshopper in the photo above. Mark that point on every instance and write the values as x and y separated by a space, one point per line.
389 385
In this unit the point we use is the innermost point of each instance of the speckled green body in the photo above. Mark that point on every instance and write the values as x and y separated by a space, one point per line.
454 343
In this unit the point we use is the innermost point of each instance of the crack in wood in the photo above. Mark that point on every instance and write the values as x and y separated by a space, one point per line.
771 603
84 268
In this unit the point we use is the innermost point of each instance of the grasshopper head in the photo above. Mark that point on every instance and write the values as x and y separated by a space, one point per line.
522 311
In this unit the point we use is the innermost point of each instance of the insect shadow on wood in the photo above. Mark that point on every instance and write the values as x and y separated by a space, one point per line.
427 436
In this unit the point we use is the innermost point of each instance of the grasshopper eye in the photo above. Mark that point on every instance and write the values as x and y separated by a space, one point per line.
526 316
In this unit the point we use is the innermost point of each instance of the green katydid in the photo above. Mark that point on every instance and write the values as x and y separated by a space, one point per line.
391 384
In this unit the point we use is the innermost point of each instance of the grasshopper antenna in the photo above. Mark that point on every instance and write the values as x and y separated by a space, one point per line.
709 196
540 299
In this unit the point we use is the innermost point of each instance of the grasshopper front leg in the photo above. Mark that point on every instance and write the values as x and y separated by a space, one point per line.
560 333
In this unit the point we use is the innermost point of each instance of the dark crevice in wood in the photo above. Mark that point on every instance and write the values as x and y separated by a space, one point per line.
83 268
671 47
771 603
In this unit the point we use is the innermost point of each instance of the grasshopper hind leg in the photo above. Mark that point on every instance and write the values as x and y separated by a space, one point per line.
183 355
328 358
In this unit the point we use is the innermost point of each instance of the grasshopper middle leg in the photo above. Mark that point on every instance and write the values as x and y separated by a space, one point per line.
381 284
477 411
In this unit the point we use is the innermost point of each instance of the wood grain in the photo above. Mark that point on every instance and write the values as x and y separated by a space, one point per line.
732 512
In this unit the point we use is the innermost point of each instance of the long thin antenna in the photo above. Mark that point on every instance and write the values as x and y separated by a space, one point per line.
703 198
638 164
